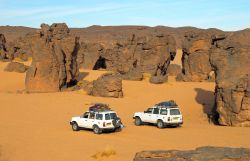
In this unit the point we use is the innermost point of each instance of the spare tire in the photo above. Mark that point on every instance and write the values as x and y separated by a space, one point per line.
116 122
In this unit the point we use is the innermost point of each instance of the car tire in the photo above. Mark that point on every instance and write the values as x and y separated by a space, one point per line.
75 126
96 129
160 124
138 121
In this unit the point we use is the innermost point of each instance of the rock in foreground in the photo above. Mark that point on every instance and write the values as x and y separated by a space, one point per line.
108 85
199 154
16 67
54 54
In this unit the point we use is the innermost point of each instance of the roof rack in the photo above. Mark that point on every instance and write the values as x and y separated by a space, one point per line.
99 107
167 104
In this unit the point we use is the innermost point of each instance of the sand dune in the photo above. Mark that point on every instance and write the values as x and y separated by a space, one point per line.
36 127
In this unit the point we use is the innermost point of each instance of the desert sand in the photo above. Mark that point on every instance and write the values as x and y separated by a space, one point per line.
35 127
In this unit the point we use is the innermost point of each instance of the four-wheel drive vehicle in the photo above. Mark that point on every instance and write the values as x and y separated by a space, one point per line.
161 114
99 118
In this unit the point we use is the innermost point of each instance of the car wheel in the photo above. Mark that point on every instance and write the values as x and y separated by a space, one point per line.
75 126
97 130
138 121
160 124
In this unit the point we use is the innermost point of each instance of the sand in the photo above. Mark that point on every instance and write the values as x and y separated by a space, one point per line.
35 127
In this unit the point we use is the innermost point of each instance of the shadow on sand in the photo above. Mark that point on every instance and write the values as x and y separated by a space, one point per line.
207 100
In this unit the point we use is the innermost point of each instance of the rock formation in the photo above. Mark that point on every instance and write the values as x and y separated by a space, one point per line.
133 56
199 154
195 58
108 85
174 70
16 67
230 58
54 56
2 47
19 48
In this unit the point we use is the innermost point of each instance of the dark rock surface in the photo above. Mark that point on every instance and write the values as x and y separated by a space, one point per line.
199 154
107 85
16 67
54 59
174 70
195 58
230 57
3 50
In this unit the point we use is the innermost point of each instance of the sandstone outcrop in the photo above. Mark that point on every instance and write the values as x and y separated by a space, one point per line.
230 58
54 59
174 70
199 154
107 85
3 51
195 58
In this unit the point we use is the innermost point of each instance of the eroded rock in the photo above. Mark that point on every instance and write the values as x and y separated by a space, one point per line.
107 85
199 154
54 55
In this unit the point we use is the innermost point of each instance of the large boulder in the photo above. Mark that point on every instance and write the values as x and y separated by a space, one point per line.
16 67
54 59
195 58
107 85
230 58
199 154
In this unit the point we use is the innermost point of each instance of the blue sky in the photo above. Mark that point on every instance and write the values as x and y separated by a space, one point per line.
222 14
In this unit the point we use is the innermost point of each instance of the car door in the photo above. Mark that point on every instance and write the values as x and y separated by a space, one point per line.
83 120
147 115
155 115
90 120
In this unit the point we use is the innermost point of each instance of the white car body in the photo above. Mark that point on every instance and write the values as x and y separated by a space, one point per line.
89 120
168 116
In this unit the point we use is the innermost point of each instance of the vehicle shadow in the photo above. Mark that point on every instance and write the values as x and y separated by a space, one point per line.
207 100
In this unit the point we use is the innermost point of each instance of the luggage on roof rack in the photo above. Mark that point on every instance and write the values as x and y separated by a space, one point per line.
170 103
99 107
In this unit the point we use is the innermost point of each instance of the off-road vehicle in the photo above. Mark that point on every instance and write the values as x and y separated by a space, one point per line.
99 117
162 114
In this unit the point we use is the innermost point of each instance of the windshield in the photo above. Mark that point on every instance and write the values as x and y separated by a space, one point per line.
175 112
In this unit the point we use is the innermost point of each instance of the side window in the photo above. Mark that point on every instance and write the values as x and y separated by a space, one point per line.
149 110
86 115
156 111
92 116
99 116
164 112
107 117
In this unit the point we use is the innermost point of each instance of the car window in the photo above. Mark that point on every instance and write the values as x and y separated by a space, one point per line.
86 115
113 115
164 111
99 116
156 111
149 110
175 112
107 116
92 116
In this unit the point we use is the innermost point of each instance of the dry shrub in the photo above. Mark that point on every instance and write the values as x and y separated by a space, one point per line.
107 152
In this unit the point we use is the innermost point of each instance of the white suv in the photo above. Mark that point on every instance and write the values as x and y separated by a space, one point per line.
162 114
99 118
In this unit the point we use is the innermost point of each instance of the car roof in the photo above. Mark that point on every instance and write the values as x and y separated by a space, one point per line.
101 112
